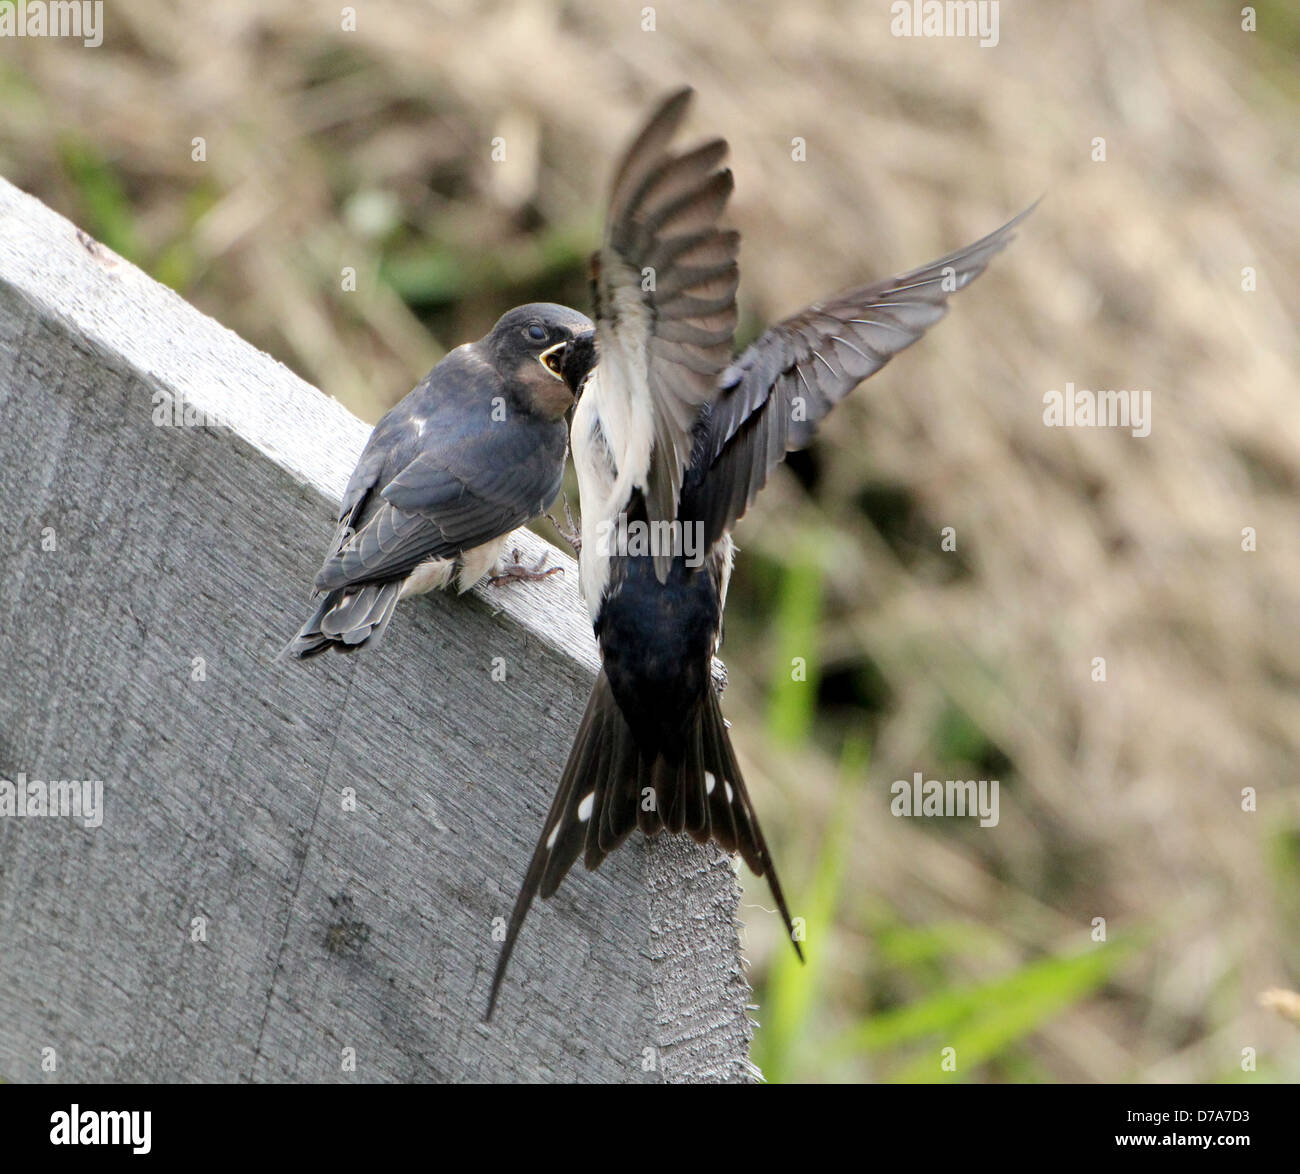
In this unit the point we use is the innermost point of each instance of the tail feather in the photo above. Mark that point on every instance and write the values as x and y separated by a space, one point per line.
731 798
350 616
718 794
619 763
694 798
645 812
345 619
610 785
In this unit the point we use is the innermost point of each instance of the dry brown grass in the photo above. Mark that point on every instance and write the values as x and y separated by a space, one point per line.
1121 799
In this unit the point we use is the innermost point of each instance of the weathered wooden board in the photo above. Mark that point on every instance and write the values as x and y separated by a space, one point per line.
139 651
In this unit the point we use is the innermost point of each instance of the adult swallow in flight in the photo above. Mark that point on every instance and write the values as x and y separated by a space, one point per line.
473 452
674 436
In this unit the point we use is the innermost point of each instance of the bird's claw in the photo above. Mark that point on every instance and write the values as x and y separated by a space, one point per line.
571 532
516 571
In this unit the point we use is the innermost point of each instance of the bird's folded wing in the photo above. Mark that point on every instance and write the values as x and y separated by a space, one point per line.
357 495
665 284
772 398
451 498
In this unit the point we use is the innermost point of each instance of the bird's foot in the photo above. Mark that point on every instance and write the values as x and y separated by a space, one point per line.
516 571
571 532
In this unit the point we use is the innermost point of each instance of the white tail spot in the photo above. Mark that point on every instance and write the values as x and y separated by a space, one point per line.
709 782
550 840
730 792
584 808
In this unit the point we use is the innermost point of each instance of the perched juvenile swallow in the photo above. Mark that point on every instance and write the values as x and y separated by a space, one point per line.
473 452
673 432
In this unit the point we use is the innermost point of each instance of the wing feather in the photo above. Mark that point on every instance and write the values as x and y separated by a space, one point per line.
665 285
771 399
460 492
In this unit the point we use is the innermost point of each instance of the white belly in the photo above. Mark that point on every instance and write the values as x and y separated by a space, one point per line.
597 502
478 562
437 573
433 575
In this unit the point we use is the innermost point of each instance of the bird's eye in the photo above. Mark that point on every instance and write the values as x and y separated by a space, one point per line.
536 333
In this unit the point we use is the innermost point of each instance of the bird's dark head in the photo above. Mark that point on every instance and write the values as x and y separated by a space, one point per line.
546 351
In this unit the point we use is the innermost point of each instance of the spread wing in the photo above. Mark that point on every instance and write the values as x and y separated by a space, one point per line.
665 285
772 398
463 486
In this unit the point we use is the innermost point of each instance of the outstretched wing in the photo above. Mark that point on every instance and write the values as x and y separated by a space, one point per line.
665 291
772 398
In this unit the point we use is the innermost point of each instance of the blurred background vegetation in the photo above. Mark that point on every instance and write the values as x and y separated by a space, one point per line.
372 149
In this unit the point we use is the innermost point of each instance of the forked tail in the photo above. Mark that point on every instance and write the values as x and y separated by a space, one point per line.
611 785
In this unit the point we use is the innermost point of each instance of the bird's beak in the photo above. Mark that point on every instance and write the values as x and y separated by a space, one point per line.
578 360
553 359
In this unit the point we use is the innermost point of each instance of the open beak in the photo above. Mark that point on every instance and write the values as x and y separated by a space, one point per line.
553 359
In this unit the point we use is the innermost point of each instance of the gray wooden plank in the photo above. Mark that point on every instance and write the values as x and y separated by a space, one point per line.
328 927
